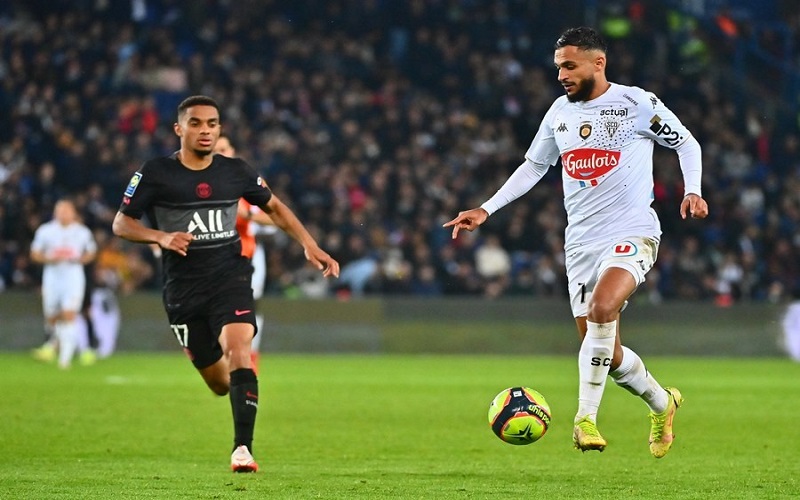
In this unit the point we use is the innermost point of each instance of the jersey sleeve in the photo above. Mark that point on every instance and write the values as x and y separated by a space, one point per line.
139 194
543 149
659 123
39 239
256 192
90 245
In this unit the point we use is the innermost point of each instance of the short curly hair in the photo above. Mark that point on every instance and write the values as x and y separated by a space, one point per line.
584 38
196 100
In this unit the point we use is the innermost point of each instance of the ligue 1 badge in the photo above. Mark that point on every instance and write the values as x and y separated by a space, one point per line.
133 184
585 130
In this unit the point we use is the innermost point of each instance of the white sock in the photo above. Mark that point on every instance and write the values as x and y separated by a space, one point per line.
67 335
594 360
256 342
81 333
634 377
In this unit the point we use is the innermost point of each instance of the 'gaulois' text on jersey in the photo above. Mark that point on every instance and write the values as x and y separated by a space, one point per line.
606 151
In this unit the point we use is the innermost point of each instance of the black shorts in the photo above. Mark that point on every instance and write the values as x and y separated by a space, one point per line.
198 313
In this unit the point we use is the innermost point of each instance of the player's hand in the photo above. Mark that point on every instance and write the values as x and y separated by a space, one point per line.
322 261
468 220
177 242
695 206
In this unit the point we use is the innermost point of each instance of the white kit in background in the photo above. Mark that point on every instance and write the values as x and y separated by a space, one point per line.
63 282
259 279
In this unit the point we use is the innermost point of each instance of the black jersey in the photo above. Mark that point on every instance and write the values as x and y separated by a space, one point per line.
201 202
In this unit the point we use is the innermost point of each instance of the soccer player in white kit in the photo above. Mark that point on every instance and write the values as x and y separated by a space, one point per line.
604 133
63 246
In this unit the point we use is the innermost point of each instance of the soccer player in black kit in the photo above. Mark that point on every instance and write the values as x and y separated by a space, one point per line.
190 199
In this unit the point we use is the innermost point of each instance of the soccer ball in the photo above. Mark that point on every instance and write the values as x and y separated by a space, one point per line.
519 415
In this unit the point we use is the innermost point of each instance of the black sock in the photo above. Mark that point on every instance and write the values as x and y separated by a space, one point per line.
244 403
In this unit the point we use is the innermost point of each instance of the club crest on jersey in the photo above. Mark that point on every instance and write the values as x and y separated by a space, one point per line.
625 249
585 130
611 127
133 184
203 190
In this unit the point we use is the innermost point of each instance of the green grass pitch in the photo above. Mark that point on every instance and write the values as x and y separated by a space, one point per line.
145 426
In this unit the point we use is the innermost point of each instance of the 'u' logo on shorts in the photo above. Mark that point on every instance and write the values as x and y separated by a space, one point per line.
625 248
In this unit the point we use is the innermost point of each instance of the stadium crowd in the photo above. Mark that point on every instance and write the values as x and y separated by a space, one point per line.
378 121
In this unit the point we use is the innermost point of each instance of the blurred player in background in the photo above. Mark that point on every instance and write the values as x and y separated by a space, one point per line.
191 199
604 133
249 221
103 312
790 328
63 246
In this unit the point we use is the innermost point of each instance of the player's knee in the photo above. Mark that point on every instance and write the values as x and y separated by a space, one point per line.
68 316
602 310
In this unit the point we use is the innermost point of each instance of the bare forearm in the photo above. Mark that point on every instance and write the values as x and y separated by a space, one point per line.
257 215
261 218
87 257
285 219
39 258
133 230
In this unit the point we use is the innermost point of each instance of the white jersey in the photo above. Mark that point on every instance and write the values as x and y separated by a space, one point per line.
70 242
606 150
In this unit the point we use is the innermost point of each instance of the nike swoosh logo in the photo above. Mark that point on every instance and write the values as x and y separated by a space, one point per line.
239 313
251 395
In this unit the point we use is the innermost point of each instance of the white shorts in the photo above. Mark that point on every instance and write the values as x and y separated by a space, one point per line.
259 262
62 296
586 263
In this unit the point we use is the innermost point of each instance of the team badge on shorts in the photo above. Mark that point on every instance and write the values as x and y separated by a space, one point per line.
625 249
133 184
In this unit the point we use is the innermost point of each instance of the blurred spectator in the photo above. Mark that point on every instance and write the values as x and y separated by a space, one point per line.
790 338
119 265
493 264
359 266
379 125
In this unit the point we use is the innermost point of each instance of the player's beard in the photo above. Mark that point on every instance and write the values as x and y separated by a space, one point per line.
584 90
202 153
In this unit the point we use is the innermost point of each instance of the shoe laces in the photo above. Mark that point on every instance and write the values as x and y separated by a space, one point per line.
657 421
588 428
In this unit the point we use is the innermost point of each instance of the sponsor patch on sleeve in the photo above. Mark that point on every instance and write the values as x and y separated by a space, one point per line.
133 184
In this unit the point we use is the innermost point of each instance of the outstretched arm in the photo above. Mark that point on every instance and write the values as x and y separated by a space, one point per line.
520 182
467 220
133 230
285 219
257 216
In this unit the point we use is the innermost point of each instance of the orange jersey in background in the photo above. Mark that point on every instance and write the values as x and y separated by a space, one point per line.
243 228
